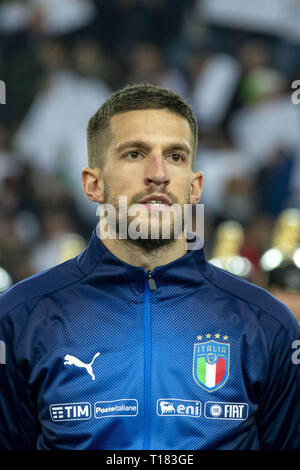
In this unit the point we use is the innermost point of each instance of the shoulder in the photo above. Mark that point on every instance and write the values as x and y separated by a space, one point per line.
263 305
39 285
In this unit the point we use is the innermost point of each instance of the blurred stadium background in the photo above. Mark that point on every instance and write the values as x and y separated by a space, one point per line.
234 62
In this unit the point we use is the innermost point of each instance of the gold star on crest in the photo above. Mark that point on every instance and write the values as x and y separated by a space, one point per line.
208 335
199 338
225 338
217 335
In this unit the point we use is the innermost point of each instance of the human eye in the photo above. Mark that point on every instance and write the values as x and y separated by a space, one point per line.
176 157
133 155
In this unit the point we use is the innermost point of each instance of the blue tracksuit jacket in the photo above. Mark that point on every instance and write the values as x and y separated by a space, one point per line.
99 354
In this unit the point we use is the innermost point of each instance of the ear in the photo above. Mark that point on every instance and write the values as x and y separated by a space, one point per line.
92 183
196 187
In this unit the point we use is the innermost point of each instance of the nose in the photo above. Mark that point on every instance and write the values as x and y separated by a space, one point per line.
156 170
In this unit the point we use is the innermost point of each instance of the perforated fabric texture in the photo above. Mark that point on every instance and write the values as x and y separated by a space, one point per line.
108 363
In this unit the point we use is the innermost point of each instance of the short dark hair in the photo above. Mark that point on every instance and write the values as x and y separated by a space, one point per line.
130 98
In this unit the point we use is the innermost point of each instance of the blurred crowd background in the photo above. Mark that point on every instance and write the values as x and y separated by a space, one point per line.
234 63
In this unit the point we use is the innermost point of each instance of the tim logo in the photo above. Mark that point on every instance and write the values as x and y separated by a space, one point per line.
176 407
70 411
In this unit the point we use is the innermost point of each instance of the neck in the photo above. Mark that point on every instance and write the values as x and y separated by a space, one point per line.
137 255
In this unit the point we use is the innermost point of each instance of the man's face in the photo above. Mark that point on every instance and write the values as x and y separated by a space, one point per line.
150 159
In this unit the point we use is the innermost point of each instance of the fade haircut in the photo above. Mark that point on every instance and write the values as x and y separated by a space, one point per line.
130 98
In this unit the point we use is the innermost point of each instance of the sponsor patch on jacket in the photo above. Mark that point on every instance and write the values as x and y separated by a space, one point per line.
70 411
211 362
122 407
177 407
221 410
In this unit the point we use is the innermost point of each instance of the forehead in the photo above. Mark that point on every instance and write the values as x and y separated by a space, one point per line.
150 125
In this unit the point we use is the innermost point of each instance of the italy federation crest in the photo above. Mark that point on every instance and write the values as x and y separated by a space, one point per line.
211 364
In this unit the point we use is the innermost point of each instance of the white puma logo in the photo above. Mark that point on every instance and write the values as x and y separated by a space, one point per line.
72 360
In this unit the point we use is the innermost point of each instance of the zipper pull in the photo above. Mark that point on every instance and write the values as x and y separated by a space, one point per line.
151 281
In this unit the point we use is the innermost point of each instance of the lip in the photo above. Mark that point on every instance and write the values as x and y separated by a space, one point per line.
156 197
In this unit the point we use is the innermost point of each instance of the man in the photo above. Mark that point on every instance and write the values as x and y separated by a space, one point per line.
139 342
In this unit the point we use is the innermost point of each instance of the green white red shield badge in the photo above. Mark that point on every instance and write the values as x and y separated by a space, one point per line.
211 364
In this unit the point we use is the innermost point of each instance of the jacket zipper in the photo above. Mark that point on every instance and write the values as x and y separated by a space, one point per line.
150 285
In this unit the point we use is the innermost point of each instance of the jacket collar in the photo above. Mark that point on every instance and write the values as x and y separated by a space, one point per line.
96 259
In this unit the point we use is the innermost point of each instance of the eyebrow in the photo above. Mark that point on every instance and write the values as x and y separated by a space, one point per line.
144 145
